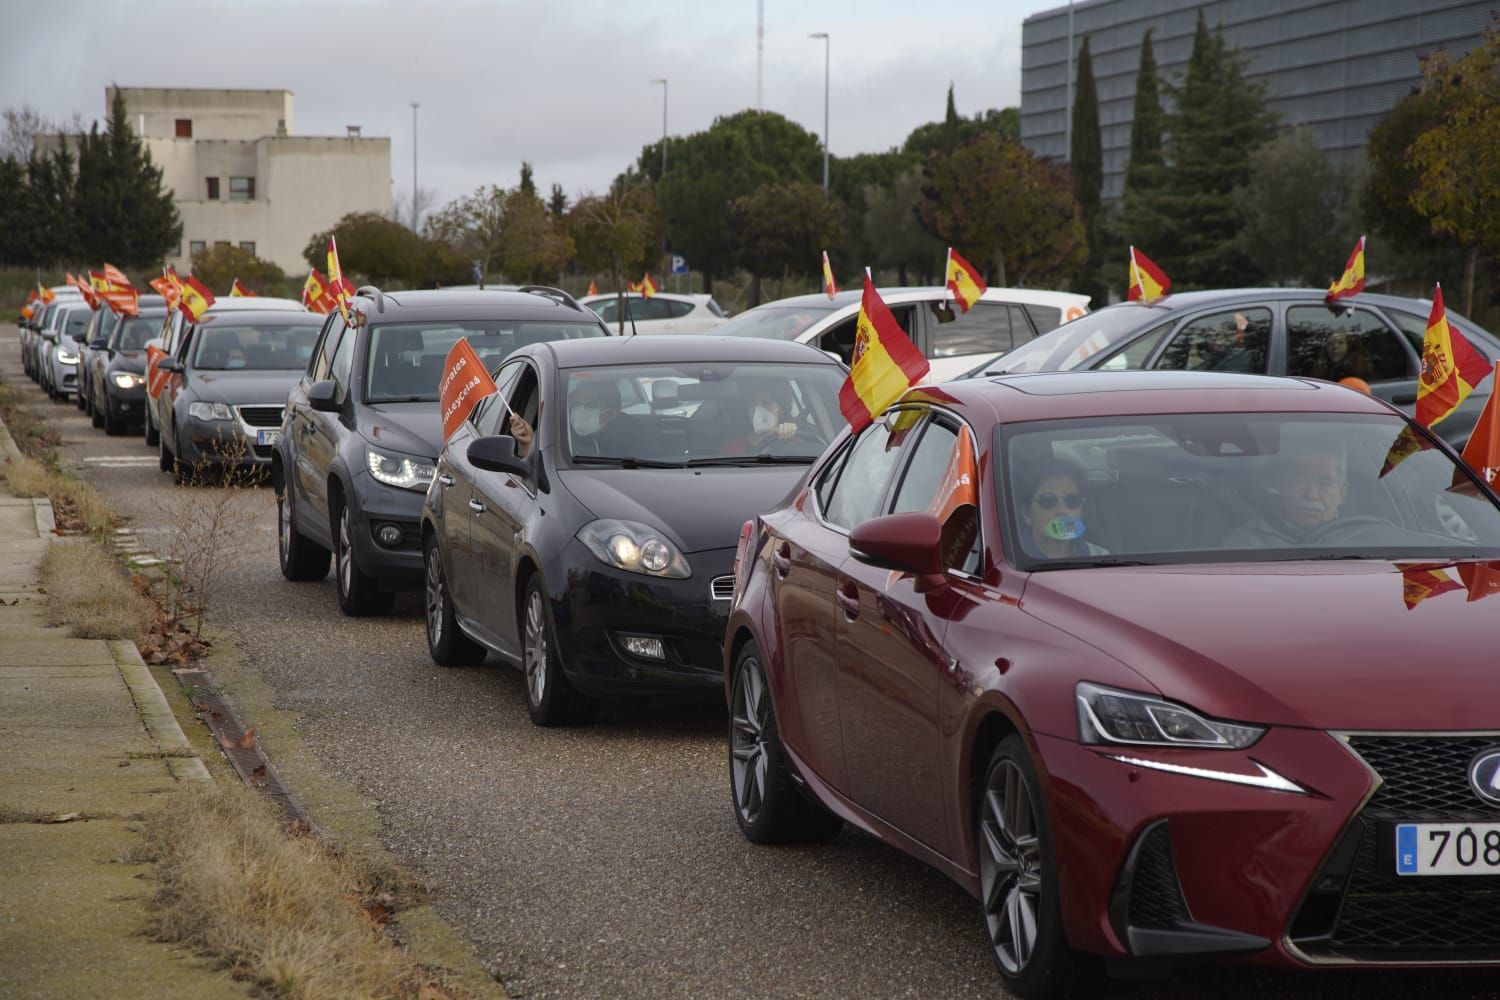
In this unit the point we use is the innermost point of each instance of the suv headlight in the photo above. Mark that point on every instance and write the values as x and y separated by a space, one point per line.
1108 716
207 411
636 547
67 357
130 380
399 470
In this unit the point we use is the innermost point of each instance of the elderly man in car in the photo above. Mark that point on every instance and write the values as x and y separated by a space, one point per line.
1313 480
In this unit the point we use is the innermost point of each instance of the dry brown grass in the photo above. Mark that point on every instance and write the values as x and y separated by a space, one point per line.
76 505
87 593
277 908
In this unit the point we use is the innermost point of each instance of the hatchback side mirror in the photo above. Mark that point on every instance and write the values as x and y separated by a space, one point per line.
97 344
320 396
498 454
908 543
169 365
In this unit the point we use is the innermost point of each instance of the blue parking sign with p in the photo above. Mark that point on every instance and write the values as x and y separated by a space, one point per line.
679 264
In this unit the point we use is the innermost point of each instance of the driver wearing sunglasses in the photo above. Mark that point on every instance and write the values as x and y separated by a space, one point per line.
1052 513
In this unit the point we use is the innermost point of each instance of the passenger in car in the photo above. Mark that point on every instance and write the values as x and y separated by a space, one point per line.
765 412
1052 523
1342 357
1313 480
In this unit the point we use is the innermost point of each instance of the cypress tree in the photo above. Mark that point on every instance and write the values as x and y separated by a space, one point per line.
1086 157
952 125
51 208
1145 123
125 215
15 220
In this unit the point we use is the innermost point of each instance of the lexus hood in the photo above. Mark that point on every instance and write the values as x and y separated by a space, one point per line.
699 508
412 428
1348 645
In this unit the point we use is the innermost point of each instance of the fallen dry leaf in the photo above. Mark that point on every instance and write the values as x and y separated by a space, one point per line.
61 817
247 742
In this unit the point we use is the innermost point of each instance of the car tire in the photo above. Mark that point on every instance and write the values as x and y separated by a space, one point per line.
359 594
78 399
767 803
96 417
112 427
550 699
302 560
446 642
152 434
1018 881
165 460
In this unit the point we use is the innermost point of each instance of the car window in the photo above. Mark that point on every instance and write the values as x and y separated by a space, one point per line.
487 416
776 322
839 339
607 309
1352 344
941 479
132 333
78 322
987 328
1133 355
1236 340
861 484
1044 318
343 365
1414 328
268 344
716 309
317 365
405 360
676 309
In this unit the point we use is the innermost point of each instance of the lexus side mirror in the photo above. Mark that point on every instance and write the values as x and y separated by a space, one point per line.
320 396
908 543
498 454
169 365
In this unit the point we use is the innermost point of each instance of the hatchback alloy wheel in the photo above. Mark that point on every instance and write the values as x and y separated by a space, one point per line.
434 600
747 741
536 648
447 643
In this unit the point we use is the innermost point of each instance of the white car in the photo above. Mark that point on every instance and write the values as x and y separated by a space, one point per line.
953 341
664 312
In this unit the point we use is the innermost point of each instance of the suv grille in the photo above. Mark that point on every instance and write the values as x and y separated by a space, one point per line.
722 588
1385 917
261 416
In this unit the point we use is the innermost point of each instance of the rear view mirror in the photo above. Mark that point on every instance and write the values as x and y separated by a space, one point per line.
320 396
498 454
908 543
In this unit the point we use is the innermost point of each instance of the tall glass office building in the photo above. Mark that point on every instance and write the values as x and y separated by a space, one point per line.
1336 66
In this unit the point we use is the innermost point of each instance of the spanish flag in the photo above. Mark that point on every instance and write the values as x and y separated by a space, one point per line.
239 291
86 289
1421 582
1147 281
115 276
885 362
633 287
965 281
46 293
338 286
648 286
1353 280
196 298
315 293
168 286
1451 368
829 288
1482 453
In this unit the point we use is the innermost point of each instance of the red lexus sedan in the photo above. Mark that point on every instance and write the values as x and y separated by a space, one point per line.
1155 664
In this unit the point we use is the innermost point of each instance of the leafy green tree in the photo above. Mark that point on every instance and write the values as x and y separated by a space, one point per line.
383 251
955 130
1005 210
15 215
557 203
851 179
1458 160
618 233
219 265
781 228
52 210
124 213
1299 212
894 233
473 227
534 248
1086 160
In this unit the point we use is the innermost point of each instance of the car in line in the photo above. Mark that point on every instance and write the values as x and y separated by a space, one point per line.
28 327
101 325
117 369
663 312
67 324
226 389
952 341
1194 665
600 559
361 431
1267 331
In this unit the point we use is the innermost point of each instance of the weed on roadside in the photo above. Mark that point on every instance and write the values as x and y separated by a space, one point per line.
86 591
76 505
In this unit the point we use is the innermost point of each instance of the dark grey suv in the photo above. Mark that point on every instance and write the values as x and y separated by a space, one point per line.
361 431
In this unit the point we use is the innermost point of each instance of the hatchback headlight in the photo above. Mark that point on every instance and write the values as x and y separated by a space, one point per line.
1106 715
399 470
67 357
130 380
636 547
208 411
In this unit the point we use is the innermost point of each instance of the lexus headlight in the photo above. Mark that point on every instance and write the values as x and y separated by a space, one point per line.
399 470
1106 715
130 380
205 411
66 356
636 547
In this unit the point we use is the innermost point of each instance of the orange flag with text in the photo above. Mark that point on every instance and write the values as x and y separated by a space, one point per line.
464 383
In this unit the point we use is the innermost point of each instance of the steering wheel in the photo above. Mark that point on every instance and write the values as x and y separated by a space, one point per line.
1345 526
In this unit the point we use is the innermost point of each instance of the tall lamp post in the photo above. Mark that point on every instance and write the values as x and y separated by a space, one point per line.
827 44
663 82
414 107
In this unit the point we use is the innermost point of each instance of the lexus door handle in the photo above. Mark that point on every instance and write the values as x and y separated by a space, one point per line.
476 506
782 559
445 480
848 598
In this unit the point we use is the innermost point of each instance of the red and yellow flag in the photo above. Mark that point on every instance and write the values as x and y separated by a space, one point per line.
1451 368
156 379
315 293
648 286
1353 280
465 382
339 287
1482 453
885 362
1147 281
964 281
46 293
1421 582
237 290
593 288
829 288
29 309
86 289
70 280
115 276
1482 579
168 286
196 298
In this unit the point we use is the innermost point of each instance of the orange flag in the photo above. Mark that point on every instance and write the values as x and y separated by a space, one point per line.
964 281
168 286
593 288
1353 280
196 298
156 379
1482 579
956 504
1451 368
1482 453
464 383
1147 281
46 293
885 364
829 288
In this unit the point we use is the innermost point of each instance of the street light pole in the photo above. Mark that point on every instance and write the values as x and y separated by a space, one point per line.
827 45
663 82
414 107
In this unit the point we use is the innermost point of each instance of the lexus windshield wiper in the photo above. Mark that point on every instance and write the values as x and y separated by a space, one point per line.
402 399
1095 561
627 462
752 460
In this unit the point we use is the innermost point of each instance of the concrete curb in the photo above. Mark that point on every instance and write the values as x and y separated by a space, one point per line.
156 714
8 444
46 520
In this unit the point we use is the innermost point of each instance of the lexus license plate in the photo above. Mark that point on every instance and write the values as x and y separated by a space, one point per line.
1448 849
267 437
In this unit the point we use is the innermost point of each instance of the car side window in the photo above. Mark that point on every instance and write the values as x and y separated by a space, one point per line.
185 342
987 328
489 417
342 365
675 309
839 339
941 479
1134 354
1353 344
323 360
1237 340
855 497
608 309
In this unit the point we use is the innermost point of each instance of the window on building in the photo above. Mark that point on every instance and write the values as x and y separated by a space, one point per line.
195 247
212 183
242 189
221 243
184 128
248 246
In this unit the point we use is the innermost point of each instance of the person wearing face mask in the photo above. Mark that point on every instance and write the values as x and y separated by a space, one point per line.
767 428
595 423
1313 481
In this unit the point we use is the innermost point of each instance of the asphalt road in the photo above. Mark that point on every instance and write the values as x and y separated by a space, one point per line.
602 861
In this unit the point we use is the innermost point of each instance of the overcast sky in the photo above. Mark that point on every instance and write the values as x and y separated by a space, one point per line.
563 84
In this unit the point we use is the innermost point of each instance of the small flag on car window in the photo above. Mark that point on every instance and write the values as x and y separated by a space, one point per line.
1352 282
885 363
964 281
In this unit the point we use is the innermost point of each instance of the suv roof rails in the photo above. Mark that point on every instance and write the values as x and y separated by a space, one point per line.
370 291
556 294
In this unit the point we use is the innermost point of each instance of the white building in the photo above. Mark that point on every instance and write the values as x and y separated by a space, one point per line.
241 177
